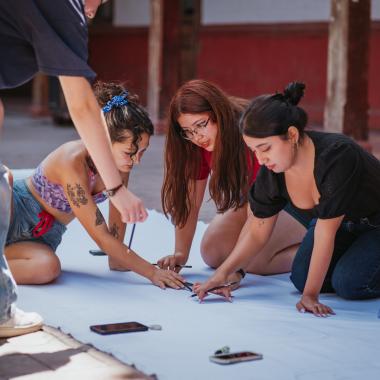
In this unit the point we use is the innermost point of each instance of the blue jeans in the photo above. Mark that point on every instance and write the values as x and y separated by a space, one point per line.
25 218
8 293
354 271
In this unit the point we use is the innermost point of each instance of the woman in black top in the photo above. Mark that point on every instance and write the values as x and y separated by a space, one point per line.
333 185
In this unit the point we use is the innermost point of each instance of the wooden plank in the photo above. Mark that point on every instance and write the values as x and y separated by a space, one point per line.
173 49
346 109
154 60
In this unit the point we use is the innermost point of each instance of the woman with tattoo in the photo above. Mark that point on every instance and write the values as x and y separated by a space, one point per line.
66 185
333 185
204 141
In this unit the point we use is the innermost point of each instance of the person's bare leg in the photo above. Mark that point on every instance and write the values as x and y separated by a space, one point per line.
276 257
32 263
221 236
278 254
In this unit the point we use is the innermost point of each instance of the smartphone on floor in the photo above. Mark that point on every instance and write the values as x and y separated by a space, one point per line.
97 252
117 328
235 357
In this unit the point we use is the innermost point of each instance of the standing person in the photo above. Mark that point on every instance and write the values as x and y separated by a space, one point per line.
51 37
13 321
332 182
204 141
66 185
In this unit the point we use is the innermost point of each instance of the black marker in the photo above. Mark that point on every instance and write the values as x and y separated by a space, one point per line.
98 252
132 233
178 266
218 287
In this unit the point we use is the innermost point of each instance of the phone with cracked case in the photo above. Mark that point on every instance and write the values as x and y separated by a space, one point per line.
235 357
118 328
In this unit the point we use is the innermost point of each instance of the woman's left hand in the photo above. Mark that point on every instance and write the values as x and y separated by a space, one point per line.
312 305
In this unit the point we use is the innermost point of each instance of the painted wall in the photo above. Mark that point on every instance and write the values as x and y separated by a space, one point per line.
244 59
131 12
264 11
227 12
254 60
121 54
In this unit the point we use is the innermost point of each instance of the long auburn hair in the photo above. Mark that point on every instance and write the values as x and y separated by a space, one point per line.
229 178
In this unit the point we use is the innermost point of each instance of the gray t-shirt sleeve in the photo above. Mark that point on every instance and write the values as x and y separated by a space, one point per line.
46 36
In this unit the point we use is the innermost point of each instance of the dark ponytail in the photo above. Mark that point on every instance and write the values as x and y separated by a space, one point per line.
272 115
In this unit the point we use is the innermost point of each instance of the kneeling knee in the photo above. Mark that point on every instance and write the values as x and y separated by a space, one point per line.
347 288
210 254
50 269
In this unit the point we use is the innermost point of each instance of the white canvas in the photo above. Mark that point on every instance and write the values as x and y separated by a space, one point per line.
261 318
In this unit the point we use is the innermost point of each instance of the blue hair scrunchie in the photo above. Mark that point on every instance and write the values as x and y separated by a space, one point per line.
116 101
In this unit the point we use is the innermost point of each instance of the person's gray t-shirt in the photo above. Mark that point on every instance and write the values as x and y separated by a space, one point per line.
42 35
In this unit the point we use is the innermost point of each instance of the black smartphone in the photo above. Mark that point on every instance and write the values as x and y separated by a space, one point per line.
117 328
97 252
235 357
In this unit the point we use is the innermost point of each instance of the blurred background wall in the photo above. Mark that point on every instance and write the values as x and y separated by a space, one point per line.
248 47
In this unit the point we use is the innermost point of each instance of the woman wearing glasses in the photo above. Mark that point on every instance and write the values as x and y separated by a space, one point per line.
204 141
66 185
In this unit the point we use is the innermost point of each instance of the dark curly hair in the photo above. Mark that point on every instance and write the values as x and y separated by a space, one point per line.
130 117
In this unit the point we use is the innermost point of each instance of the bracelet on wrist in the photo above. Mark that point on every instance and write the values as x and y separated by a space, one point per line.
241 272
111 192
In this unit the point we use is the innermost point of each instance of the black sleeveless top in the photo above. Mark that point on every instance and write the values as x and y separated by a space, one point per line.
347 178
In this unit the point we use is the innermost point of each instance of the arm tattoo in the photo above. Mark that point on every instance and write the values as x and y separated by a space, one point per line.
99 218
115 231
77 194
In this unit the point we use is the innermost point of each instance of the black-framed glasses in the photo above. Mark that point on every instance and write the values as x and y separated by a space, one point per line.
189 134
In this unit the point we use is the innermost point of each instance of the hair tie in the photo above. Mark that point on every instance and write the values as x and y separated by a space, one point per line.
116 101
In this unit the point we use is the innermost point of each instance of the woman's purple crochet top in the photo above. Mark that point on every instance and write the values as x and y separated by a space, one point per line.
53 193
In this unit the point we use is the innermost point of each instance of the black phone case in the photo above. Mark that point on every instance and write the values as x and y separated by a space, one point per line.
97 252
97 329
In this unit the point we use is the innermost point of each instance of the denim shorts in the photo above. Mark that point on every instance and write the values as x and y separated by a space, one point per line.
25 217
